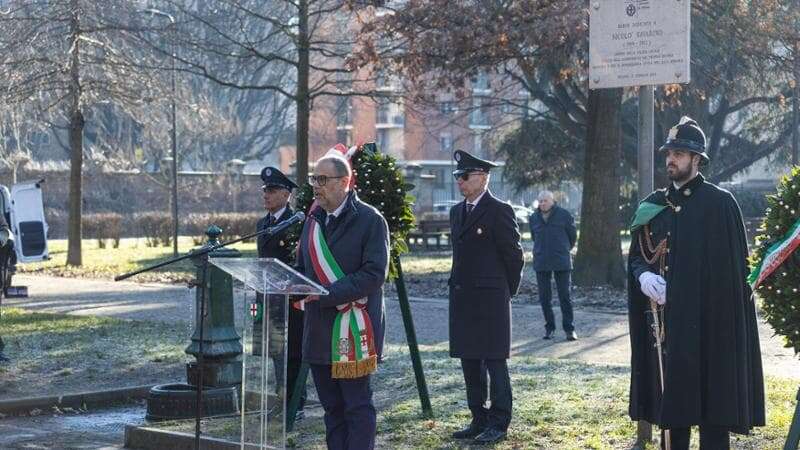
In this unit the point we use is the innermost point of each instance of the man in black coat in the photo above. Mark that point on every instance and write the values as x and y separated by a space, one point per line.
6 251
356 237
688 263
486 272
277 188
554 234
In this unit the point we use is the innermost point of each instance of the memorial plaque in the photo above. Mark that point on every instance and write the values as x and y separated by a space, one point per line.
638 42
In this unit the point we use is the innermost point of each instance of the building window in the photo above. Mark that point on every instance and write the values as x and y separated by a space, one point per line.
480 81
344 111
478 116
382 139
390 113
447 107
477 144
345 137
446 142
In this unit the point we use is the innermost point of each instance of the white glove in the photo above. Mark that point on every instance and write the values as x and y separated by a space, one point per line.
654 286
5 236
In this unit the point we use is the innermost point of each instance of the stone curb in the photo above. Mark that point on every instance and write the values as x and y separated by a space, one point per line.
144 438
75 401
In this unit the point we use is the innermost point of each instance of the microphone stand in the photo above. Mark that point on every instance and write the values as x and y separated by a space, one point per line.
201 256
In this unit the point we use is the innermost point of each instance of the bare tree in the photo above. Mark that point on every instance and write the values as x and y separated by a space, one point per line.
66 57
241 44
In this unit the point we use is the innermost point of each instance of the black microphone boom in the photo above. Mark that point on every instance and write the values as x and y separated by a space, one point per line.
269 232
280 226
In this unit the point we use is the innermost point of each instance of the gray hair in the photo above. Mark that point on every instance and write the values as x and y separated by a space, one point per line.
340 165
545 195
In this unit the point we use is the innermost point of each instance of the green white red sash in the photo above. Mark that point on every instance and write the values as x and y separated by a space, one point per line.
775 256
352 341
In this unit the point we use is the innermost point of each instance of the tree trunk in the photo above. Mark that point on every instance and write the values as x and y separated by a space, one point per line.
303 101
76 122
599 258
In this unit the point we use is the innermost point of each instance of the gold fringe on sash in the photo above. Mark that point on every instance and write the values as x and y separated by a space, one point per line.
354 369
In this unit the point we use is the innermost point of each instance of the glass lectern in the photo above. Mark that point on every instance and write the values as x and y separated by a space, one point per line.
264 396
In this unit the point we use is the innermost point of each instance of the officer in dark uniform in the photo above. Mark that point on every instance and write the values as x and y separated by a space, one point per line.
277 189
687 270
486 272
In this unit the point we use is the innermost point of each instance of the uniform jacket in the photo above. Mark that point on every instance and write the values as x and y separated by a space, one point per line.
359 241
486 272
552 239
712 359
278 247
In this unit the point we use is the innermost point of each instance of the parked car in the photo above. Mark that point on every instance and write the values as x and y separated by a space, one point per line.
522 213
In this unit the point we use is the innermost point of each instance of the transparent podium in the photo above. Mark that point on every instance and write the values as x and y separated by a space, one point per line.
264 335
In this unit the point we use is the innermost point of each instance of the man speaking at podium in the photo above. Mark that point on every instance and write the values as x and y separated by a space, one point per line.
345 247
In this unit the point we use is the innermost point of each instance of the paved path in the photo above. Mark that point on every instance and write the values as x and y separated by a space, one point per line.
603 335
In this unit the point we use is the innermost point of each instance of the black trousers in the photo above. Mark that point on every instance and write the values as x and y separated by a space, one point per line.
476 372
292 372
711 438
546 298
350 416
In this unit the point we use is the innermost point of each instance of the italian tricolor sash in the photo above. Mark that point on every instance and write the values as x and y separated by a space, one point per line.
775 256
352 341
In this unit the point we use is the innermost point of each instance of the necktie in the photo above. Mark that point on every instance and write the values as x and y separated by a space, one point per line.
469 208
329 219
271 220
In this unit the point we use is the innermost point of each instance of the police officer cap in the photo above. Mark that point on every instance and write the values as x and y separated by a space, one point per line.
687 135
273 177
466 163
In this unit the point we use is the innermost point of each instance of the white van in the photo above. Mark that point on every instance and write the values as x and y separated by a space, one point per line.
23 209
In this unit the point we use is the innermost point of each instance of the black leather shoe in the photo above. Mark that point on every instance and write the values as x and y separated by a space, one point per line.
548 334
571 336
468 433
490 436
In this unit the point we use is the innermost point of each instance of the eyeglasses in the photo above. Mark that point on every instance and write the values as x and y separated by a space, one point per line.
320 180
465 176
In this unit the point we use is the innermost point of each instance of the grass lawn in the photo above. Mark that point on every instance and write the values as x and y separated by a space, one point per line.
131 255
60 354
557 405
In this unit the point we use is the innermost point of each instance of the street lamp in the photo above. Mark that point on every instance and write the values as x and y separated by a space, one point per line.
173 132
236 168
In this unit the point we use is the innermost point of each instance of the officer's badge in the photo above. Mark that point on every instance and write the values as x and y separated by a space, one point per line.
344 346
687 192
268 172
479 231
673 133
282 243
457 157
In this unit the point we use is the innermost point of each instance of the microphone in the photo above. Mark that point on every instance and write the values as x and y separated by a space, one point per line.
298 217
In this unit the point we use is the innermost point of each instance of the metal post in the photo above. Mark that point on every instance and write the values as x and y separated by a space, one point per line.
644 431
646 100
796 106
174 138
793 439
411 337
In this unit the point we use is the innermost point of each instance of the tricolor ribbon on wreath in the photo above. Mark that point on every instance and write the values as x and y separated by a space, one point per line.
775 256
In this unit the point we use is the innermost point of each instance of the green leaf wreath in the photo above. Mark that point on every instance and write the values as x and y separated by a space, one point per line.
380 183
780 291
